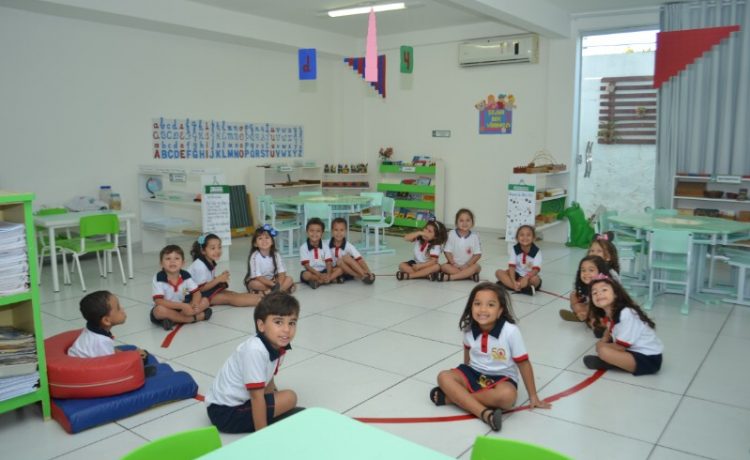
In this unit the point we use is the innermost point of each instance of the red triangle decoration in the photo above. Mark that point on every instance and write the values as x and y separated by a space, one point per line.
358 64
677 49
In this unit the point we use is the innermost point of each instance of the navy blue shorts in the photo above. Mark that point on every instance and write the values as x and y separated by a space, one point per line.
239 419
518 277
302 280
346 277
411 263
646 364
476 381
209 293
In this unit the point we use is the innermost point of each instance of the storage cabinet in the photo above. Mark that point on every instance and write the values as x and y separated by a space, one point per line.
169 203
418 191
21 310
541 195
718 196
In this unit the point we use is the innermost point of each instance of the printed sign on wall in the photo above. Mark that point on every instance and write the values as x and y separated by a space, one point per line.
183 138
496 114
521 202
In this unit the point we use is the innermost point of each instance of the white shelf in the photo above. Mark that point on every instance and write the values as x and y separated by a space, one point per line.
282 187
705 179
556 173
700 198
546 226
345 188
550 198
189 204
345 174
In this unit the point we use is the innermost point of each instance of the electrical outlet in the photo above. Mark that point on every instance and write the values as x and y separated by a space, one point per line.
441 133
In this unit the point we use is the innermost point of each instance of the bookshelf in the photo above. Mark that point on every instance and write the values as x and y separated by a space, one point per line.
414 199
21 310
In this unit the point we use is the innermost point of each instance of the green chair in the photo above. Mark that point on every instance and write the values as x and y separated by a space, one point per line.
376 201
629 248
670 251
285 226
43 239
311 193
187 445
489 448
386 219
92 228
321 211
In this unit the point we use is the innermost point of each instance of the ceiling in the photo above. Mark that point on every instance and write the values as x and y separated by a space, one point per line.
420 14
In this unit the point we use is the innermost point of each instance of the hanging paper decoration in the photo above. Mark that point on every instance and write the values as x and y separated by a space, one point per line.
358 64
677 49
371 54
407 59
308 69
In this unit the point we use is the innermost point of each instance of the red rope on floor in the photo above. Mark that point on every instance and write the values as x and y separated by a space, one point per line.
574 389
168 339
552 293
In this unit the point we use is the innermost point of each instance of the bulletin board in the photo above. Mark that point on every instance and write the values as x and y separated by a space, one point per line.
184 138
521 204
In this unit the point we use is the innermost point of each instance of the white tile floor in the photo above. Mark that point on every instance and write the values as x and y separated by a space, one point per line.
374 351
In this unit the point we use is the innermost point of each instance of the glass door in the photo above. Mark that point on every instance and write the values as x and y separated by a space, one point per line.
617 122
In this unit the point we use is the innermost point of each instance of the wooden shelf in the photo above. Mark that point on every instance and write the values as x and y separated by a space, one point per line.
546 226
551 198
702 198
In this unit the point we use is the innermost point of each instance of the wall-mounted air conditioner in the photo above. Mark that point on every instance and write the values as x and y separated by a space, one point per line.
499 50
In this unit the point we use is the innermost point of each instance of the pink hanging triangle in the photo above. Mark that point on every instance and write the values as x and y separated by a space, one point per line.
371 54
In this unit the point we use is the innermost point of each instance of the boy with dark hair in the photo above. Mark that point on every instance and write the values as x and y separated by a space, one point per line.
244 397
177 298
316 257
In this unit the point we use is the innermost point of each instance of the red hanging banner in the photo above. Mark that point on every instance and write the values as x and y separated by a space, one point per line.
677 49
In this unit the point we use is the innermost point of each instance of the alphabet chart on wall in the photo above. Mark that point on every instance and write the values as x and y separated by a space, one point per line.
184 138
521 202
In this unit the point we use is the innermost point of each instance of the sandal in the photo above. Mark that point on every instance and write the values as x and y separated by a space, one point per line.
596 363
207 314
445 276
402 276
494 418
313 284
435 276
167 324
568 315
369 278
437 396
475 277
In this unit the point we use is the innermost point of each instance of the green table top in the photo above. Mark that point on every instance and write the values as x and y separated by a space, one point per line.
695 224
335 200
318 433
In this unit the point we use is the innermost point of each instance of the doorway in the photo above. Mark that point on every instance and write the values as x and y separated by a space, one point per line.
616 159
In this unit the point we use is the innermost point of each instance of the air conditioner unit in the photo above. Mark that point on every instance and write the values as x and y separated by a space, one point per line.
499 50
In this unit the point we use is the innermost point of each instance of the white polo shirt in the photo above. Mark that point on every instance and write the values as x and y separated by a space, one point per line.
202 271
346 249
261 265
162 288
92 343
315 257
421 252
251 367
635 335
462 248
525 262
496 352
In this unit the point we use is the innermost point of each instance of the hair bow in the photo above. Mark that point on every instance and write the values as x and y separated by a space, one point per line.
271 231
202 239
601 276
602 236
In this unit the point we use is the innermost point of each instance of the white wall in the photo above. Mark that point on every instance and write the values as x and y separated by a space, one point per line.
78 99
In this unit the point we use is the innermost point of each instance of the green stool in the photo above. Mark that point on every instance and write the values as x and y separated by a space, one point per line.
187 445
489 448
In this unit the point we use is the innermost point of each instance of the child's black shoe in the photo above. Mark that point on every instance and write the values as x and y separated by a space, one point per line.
167 324
596 363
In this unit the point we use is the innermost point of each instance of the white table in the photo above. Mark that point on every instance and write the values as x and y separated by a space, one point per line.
321 434
71 220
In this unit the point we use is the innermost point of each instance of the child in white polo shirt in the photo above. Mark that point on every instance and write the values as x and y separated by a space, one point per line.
244 397
427 248
494 353
102 311
629 342
462 250
346 256
265 267
316 257
176 295
524 265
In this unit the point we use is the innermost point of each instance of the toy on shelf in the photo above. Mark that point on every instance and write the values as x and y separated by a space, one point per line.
542 162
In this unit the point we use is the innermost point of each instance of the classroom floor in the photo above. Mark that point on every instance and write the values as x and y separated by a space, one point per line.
375 351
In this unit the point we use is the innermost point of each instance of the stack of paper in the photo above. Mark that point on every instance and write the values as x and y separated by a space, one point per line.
14 262
18 362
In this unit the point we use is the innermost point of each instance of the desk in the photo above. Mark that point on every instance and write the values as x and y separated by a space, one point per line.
71 220
707 231
318 433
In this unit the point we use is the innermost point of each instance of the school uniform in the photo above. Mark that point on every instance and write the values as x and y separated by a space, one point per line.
202 271
492 356
462 248
639 339
252 366
423 253
181 291
345 249
315 257
93 342
525 262
261 265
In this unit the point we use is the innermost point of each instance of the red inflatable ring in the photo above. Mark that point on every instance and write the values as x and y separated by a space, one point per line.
71 377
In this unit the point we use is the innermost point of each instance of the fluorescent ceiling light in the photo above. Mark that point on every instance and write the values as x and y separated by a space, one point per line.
366 9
